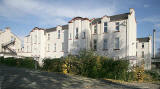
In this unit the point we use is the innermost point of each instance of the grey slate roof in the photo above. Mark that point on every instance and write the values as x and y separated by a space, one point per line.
113 18
145 39
50 29
119 17
64 27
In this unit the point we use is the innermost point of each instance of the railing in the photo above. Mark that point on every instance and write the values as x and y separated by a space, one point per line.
6 46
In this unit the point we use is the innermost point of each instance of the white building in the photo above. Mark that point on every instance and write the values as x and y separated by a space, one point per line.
112 36
10 44
144 51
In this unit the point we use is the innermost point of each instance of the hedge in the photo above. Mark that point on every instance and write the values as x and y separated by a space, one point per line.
18 62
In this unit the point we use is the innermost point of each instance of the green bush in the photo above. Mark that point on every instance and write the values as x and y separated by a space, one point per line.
154 74
53 65
19 62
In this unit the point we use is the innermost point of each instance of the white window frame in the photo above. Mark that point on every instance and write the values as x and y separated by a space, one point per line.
117 43
105 44
117 26
105 26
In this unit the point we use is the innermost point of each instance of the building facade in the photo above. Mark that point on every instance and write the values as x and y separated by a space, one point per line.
144 51
112 36
10 44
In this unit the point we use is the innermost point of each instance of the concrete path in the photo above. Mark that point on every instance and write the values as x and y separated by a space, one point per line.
21 78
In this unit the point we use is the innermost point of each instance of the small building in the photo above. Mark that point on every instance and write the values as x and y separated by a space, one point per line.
10 44
144 51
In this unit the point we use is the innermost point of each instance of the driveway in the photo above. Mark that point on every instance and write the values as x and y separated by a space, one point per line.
21 78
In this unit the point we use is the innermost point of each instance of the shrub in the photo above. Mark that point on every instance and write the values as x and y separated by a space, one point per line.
19 62
53 65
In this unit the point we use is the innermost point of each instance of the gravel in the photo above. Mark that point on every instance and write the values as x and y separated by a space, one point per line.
21 78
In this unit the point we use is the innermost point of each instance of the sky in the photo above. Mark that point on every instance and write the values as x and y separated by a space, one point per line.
23 15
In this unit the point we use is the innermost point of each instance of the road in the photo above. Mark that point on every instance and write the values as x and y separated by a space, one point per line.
21 78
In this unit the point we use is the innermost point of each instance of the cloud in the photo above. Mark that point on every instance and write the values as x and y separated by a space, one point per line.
53 12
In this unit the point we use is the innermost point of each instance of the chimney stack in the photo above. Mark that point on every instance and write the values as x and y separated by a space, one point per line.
154 43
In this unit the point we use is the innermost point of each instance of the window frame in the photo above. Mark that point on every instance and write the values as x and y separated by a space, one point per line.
105 26
59 36
95 44
95 29
117 26
76 36
105 44
117 43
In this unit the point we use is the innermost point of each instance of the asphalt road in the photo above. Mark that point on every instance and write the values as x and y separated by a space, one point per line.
21 78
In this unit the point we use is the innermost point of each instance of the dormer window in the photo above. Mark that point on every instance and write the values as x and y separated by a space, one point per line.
105 27
117 26
58 34
76 33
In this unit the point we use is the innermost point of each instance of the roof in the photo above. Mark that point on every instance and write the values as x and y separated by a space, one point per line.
145 39
96 20
51 29
77 18
64 27
113 18
119 17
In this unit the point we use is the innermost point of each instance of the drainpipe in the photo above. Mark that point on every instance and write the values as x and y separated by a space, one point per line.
126 41
154 43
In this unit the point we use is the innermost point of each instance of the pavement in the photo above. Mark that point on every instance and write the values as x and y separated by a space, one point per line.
21 78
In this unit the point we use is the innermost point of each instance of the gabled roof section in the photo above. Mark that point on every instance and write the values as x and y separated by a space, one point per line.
97 20
119 17
51 29
77 18
145 39
65 27
112 18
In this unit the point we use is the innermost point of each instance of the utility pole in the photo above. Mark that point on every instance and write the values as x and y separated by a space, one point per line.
154 43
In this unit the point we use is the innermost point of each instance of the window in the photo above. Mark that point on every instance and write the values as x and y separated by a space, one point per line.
142 54
95 29
76 33
48 47
136 54
62 46
117 43
55 47
58 34
84 35
117 26
105 26
48 36
105 44
95 44
142 45
136 45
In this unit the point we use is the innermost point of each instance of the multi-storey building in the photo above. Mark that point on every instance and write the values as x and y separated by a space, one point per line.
144 51
112 36
10 44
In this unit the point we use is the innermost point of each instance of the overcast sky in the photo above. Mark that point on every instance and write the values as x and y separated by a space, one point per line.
23 15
